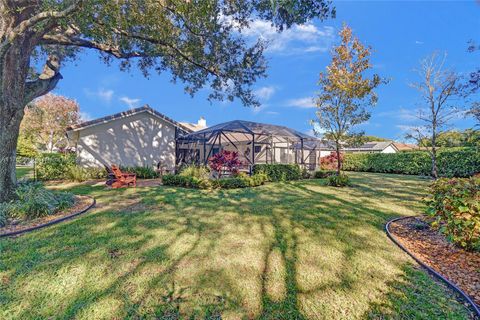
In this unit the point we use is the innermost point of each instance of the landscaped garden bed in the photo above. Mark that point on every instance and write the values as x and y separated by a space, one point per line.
15 226
459 266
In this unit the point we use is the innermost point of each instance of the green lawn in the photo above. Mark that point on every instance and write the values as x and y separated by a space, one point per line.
24 172
295 250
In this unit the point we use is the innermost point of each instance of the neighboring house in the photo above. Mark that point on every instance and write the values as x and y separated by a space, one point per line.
138 137
200 125
374 147
406 146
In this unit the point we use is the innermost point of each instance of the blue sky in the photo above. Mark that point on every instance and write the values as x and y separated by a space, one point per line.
401 33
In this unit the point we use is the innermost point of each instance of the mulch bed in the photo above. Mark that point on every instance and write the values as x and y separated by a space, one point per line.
14 225
457 265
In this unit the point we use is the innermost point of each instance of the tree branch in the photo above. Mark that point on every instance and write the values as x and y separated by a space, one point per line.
45 15
60 39
46 82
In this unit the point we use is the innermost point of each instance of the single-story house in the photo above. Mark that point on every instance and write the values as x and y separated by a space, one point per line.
374 147
137 137
146 137
255 143
406 146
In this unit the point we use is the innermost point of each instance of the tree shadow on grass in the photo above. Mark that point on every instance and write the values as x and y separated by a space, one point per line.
417 295
130 220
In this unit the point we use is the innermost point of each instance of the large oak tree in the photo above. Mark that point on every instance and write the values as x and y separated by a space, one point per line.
197 41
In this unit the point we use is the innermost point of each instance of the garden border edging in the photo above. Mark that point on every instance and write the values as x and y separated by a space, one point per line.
430 270
15 233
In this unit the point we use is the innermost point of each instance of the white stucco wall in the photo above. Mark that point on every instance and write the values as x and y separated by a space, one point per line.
137 140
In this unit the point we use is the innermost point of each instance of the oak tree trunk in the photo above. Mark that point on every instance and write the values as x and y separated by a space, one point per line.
9 129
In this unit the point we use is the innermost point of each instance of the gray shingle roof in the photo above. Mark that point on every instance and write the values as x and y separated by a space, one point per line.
145 108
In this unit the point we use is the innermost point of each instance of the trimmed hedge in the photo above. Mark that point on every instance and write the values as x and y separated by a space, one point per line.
451 163
240 181
279 172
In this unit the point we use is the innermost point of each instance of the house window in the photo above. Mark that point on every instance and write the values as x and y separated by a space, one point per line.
258 149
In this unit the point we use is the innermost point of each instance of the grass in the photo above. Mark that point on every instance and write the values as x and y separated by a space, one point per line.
24 172
297 250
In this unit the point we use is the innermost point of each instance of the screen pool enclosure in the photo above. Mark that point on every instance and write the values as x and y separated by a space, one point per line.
255 143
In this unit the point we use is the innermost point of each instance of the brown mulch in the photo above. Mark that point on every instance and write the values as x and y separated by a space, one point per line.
13 225
457 265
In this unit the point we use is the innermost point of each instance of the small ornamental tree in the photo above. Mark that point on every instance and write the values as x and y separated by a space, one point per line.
225 161
46 121
347 91
330 162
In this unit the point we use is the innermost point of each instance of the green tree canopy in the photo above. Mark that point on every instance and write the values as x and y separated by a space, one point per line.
198 42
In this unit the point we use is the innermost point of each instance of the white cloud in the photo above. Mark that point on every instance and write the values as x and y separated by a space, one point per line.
102 94
130 102
85 116
419 42
298 39
273 113
303 103
265 93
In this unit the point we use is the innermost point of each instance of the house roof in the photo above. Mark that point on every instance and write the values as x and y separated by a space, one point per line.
250 128
192 126
373 146
124 114
406 146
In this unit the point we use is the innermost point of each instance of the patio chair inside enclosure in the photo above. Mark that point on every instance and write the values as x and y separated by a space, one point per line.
123 178
255 143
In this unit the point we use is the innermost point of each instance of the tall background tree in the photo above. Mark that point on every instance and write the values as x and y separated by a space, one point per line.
442 92
197 41
46 120
346 92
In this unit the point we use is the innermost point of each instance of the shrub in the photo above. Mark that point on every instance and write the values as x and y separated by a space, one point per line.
341 180
181 181
54 166
330 162
322 174
279 172
79 174
225 161
34 201
240 181
451 163
455 206
199 172
142 172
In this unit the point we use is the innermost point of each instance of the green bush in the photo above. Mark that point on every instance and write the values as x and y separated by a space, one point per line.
451 163
341 180
34 201
322 174
240 181
279 172
199 172
181 181
142 172
54 166
455 206
79 174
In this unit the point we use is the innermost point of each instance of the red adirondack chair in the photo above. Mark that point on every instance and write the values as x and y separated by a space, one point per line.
123 178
